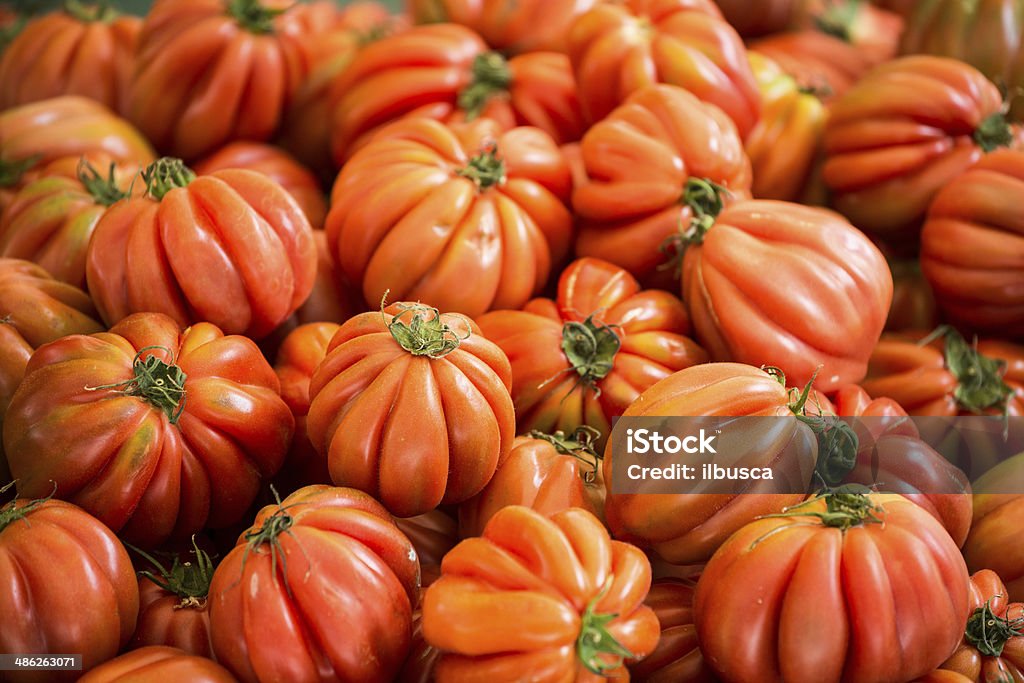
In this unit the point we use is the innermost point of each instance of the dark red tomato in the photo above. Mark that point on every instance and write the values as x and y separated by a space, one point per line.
320 588
677 658
160 432
66 586
913 302
433 534
584 357
156 664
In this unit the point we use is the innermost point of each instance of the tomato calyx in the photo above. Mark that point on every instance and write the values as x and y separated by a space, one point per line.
980 384
993 132
280 522
252 16
837 19
159 383
11 172
12 511
590 347
579 445
845 508
97 11
486 169
190 581
988 632
490 76
425 333
166 174
597 649
705 198
104 191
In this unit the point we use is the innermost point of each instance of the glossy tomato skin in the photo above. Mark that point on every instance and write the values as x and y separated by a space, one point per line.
341 567
677 658
78 51
165 621
158 664
277 165
195 88
618 48
36 309
637 162
816 60
512 27
815 603
553 392
45 613
686 528
244 263
511 604
988 591
69 126
890 147
433 534
411 430
979 287
823 270
406 218
120 456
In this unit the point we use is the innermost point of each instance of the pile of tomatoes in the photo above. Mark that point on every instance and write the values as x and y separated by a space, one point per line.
316 320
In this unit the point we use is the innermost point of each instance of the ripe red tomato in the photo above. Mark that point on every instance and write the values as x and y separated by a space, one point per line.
818 315
546 472
539 598
173 607
833 590
43 543
156 664
157 431
413 407
85 50
649 167
426 208
324 562
277 165
677 658
903 132
992 650
618 48
998 514
584 357
972 247
686 528
231 248
36 309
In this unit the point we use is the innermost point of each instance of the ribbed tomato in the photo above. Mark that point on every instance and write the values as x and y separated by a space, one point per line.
902 133
426 208
584 357
320 588
686 528
618 48
998 516
156 664
42 544
160 432
972 247
85 50
846 587
541 599
992 650
231 248
649 168
413 407
277 165
820 313
677 658
447 72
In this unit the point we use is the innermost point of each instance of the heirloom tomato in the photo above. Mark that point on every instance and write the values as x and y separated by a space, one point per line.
618 48
159 432
677 658
649 168
542 599
320 588
413 407
426 209
819 314
232 248
86 50
844 587
66 586
582 358
998 516
902 133
992 650
157 664
972 246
